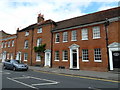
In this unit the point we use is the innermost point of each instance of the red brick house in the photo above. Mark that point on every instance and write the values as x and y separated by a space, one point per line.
31 36
88 42
8 46
80 42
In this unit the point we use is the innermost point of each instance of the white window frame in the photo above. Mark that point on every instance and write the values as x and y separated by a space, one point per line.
8 56
38 57
74 35
97 52
5 45
26 33
13 43
96 32
65 36
84 54
57 56
39 41
11 56
9 43
84 34
39 30
2 46
65 55
25 56
57 38
26 45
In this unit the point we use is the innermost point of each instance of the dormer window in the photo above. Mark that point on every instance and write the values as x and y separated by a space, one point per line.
39 30
26 33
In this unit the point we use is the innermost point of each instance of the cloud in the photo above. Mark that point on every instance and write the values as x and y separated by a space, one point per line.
21 13
104 8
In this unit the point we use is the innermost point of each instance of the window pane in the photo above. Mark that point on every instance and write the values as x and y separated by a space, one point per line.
97 53
2 45
39 41
27 33
56 55
85 54
38 57
25 56
65 55
65 36
26 44
74 35
96 32
84 34
57 38
9 44
12 43
5 45
39 30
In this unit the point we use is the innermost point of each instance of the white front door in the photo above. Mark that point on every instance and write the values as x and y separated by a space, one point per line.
113 48
47 58
18 56
74 56
3 56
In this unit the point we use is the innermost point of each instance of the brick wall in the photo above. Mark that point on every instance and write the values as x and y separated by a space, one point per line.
89 44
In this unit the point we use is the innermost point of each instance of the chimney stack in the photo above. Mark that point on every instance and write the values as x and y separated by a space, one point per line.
40 18
17 29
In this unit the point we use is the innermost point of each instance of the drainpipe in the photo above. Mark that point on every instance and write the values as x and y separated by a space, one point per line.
51 44
32 46
15 44
106 24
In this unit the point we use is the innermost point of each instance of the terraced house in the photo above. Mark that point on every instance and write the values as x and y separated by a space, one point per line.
8 46
88 42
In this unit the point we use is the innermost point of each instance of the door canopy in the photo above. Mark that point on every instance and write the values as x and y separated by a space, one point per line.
74 46
114 45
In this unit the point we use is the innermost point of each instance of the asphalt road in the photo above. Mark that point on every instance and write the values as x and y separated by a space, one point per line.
36 80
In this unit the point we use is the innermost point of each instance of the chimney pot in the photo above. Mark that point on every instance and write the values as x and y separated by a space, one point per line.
40 18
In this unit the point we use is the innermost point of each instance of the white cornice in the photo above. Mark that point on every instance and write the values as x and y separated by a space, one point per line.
8 38
74 46
113 45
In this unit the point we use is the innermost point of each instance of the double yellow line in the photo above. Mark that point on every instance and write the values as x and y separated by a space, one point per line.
79 76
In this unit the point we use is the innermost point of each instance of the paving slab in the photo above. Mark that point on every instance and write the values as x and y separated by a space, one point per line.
104 75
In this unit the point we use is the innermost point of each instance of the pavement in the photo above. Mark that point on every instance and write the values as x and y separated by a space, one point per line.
110 75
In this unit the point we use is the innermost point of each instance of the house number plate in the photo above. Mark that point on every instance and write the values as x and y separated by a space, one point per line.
116 54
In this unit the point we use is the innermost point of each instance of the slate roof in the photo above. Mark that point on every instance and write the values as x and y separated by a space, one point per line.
87 19
4 34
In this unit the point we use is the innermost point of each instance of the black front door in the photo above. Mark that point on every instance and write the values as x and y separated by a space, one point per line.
116 59
74 60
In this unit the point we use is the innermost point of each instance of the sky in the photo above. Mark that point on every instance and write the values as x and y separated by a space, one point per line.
22 13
